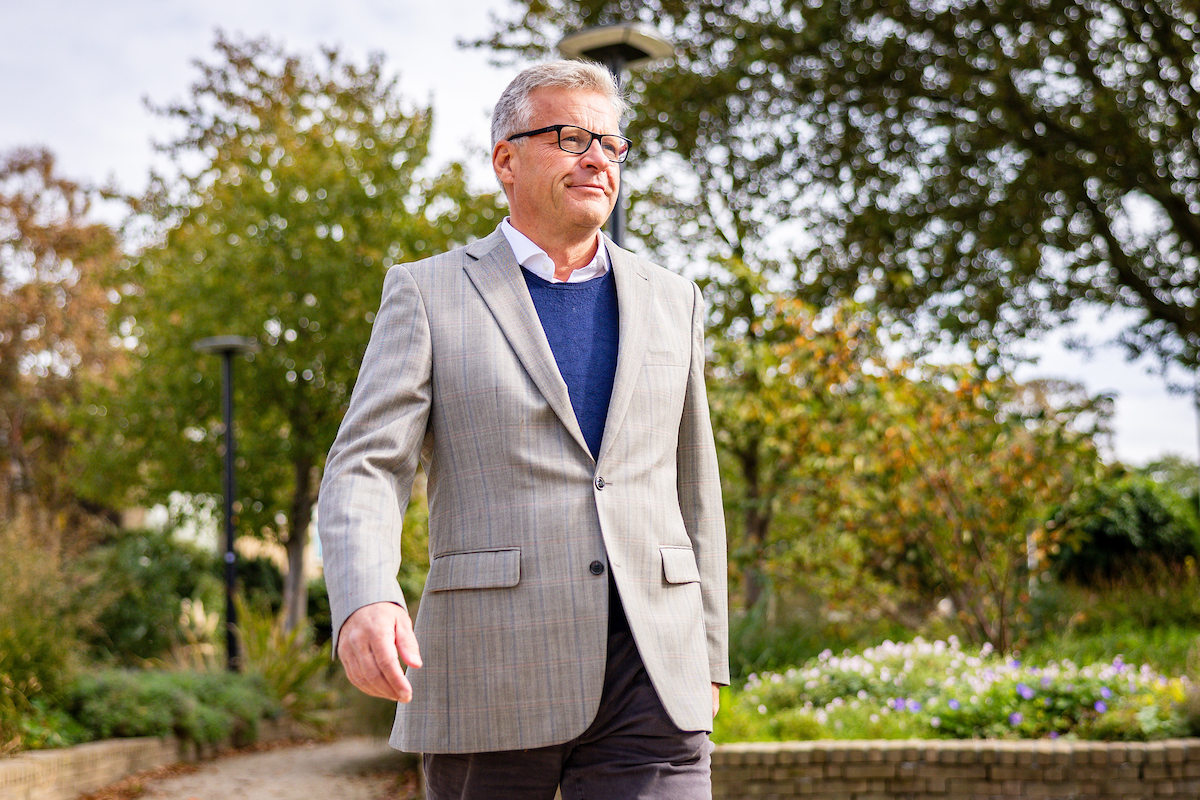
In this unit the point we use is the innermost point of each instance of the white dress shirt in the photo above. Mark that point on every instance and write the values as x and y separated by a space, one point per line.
534 258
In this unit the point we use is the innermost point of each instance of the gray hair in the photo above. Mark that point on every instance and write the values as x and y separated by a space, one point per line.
514 109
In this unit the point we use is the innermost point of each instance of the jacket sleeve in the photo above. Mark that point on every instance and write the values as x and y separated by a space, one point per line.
369 473
699 484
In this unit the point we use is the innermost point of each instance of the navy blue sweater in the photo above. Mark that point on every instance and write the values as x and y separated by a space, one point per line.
580 320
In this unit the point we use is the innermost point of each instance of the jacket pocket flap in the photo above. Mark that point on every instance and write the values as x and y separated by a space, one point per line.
478 569
679 565
671 358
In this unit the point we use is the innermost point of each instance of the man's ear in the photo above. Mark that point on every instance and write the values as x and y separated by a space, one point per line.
502 162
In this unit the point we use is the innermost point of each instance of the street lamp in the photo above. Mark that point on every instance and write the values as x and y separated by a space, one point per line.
227 347
618 47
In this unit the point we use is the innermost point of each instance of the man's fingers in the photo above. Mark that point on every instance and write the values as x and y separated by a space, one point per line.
386 662
370 646
406 644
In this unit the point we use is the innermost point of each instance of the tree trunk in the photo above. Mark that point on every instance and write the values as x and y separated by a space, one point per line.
295 589
295 592
757 523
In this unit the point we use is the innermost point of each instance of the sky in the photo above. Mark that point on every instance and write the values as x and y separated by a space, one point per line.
76 76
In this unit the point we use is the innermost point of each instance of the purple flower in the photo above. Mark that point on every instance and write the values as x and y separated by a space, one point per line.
1105 692
1015 718
1053 734
1101 706
914 706
1025 691
955 705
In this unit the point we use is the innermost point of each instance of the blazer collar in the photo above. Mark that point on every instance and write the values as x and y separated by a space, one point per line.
497 277
634 295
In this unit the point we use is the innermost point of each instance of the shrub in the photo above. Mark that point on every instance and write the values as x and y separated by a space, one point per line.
201 707
259 581
142 578
1134 523
290 666
39 636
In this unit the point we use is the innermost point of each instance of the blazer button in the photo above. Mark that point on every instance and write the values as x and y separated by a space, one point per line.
600 485
596 568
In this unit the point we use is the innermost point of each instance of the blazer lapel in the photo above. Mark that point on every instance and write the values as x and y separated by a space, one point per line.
633 304
497 278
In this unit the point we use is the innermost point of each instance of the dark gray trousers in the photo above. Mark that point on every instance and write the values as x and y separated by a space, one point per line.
631 750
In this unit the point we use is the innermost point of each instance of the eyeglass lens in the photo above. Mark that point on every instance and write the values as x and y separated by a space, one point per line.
578 140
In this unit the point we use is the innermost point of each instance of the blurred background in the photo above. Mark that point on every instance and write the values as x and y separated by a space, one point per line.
950 260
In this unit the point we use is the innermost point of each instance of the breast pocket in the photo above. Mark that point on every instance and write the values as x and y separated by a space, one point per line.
666 358
475 569
679 565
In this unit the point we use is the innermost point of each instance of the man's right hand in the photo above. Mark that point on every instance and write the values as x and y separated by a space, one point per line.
371 645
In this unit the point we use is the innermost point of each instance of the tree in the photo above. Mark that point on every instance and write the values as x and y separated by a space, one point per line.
883 486
957 480
300 182
1125 525
984 169
56 271
782 380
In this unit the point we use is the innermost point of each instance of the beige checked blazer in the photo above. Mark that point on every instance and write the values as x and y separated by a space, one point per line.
513 621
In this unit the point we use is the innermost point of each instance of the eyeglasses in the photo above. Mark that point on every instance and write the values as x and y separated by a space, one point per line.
577 141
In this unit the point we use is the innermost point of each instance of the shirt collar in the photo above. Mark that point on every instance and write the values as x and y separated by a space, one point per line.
534 258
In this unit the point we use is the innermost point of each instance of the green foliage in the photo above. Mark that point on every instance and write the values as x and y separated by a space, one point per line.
957 476
259 580
938 690
56 270
291 668
301 180
1176 473
40 625
201 707
782 383
877 485
764 639
1150 617
43 726
141 578
1122 526
884 486
982 169
320 617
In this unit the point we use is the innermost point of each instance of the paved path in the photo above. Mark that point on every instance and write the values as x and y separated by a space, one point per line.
352 768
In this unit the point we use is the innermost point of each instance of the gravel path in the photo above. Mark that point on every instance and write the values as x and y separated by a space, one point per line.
352 768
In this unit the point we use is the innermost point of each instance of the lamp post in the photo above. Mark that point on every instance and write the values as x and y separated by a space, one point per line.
618 47
227 347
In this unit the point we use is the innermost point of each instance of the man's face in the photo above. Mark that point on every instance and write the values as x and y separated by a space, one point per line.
553 194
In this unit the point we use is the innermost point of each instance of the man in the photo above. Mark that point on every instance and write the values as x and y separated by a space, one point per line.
573 627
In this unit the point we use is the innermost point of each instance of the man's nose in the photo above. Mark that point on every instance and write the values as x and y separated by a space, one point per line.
594 156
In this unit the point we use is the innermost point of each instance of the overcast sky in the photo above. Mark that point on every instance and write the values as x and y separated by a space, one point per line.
76 74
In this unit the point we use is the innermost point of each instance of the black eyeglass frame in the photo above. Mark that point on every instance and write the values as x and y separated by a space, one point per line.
558 129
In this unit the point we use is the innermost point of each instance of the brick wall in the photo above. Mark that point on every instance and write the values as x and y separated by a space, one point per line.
956 770
66 773
824 770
